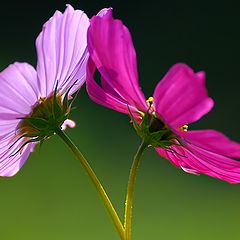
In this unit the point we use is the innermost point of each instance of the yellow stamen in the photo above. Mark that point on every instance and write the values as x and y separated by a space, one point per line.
184 128
41 99
150 103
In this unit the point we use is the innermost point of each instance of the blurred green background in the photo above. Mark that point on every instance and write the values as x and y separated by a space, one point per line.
52 198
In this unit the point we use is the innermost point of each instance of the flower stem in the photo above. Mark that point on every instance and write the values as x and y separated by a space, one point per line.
106 201
129 196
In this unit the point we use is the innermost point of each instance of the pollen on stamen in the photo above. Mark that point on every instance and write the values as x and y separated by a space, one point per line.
41 99
184 128
150 103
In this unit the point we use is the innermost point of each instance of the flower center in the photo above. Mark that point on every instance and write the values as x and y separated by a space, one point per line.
46 115
157 124
154 131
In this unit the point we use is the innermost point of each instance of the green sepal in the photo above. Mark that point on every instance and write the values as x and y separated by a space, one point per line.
163 144
75 95
47 115
145 121
135 124
38 123
57 111
23 136
65 103
25 143
161 138
155 137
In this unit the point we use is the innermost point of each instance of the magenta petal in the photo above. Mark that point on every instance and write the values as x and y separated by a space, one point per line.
103 97
111 49
213 141
105 11
181 96
61 50
195 160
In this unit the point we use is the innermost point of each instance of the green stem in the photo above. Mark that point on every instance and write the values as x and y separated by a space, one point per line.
106 201
129 196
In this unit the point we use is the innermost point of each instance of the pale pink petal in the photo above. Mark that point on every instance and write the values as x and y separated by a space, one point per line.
7 127
195 160
213 141
68 123
112 51
19 91
61 50
10 160
181 96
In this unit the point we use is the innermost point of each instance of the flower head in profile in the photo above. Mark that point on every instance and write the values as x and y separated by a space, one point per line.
162 120
34 102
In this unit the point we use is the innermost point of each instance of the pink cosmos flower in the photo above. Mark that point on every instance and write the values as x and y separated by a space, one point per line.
33 102
179 99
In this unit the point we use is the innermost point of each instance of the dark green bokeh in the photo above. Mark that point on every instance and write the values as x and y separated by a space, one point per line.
52 198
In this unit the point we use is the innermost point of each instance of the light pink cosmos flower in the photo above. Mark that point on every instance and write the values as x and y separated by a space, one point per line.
25 92
180 98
